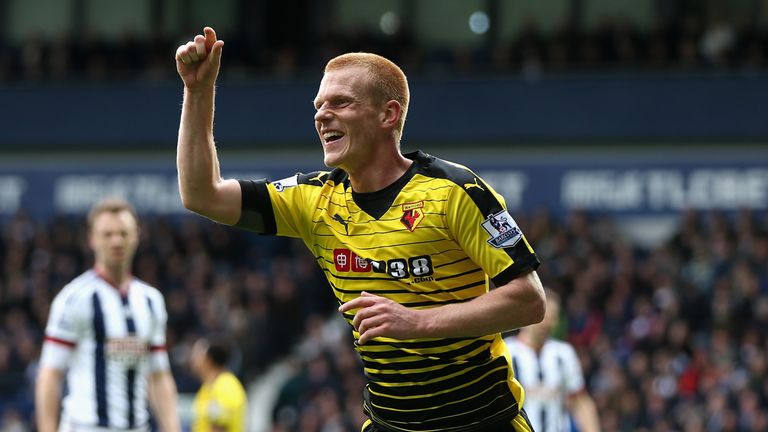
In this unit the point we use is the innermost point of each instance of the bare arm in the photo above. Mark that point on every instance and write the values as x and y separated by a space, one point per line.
163 400
200 184
584 412
47 398
516 304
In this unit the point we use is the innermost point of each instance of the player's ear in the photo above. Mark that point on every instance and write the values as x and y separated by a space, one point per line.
391 113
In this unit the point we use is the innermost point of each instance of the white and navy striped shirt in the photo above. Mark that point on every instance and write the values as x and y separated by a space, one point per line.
548 377
109 343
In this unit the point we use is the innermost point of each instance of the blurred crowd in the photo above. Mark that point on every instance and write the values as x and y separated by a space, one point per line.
695 42
671 338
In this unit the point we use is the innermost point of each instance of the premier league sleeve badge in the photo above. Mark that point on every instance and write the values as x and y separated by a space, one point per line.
503 230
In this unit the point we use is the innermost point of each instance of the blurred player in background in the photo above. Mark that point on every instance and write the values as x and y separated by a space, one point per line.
106 332
407 242
549 370
220 404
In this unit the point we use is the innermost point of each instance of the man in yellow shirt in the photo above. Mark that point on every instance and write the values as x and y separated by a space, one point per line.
409 244
220 403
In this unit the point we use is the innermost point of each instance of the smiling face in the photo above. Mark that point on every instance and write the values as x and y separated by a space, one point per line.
347 118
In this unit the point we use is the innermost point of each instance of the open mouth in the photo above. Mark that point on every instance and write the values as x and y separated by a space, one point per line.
332 136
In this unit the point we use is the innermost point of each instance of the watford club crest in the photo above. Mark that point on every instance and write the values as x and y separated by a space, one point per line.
413 214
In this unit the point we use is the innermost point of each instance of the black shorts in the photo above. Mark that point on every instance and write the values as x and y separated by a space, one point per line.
507 426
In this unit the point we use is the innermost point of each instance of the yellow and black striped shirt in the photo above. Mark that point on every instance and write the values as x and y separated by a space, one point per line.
432 238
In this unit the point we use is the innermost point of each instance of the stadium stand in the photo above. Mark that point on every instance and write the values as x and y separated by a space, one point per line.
670 337
672 334
548 36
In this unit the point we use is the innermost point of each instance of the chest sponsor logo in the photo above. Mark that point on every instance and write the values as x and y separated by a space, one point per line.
129 351
345 261
413 214
419 268
503 230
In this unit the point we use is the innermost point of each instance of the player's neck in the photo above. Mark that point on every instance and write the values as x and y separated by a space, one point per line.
117 276
380 173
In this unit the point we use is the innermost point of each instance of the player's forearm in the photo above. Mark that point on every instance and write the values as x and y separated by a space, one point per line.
517 304
196 157
47 395
585 413
163 399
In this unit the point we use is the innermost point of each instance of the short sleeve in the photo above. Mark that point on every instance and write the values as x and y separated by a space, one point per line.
275 207
481 224
64 329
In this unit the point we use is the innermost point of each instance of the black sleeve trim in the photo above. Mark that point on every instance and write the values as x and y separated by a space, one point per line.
525 265
256 212
469 182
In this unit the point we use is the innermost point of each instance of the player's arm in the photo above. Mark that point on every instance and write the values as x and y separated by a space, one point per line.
518 303
200 184
478 220
161 387
163 400
580 403
47 398
584 411
63 330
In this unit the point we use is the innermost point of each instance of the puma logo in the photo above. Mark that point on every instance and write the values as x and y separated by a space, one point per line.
469 186
318 178
340 220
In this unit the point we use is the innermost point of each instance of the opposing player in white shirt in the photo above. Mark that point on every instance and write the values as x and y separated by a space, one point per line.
106 332
551 375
